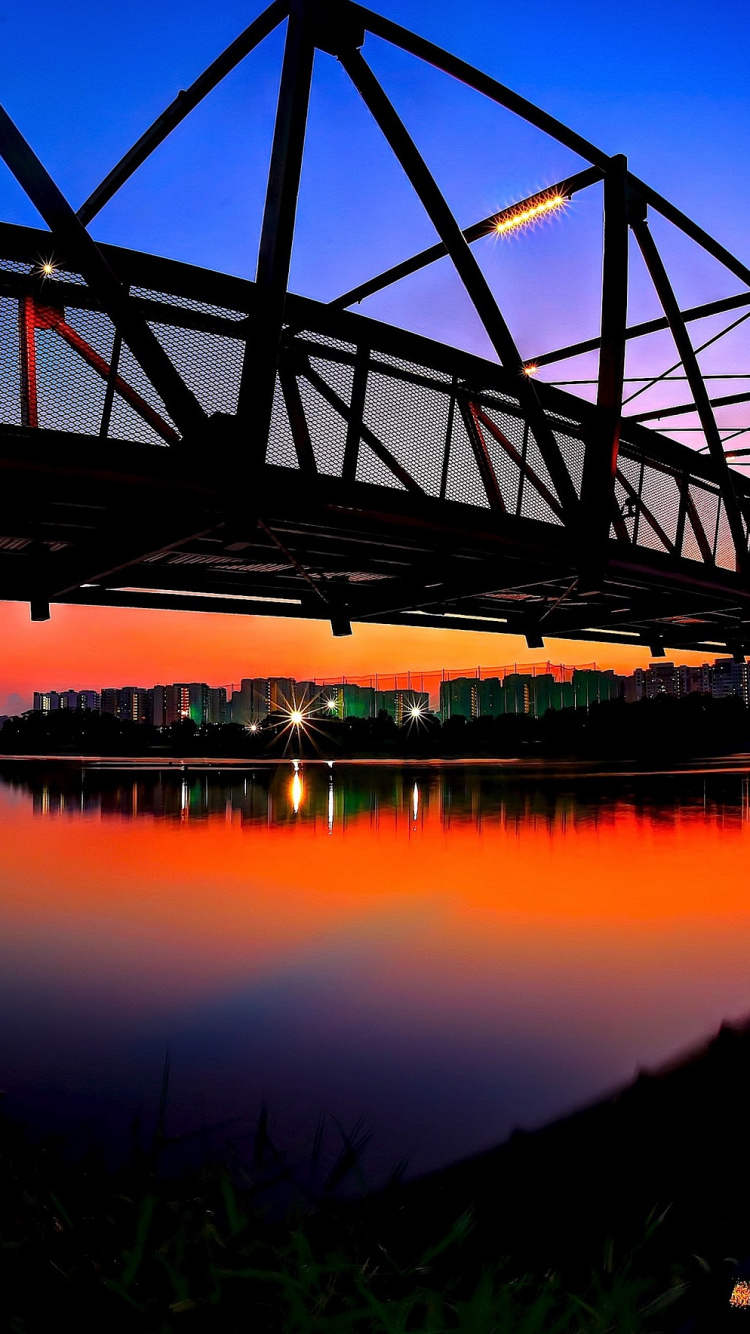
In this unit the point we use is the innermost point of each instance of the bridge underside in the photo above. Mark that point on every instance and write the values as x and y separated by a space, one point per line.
401 483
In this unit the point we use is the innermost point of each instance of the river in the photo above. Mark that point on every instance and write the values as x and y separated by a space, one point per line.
449 951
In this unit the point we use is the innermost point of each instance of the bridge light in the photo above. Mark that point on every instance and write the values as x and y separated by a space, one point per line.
539 206
531 369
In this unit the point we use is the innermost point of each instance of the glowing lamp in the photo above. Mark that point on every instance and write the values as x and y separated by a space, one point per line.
740 1293
531 369
523 215
47 268
296 716
415 711
331 704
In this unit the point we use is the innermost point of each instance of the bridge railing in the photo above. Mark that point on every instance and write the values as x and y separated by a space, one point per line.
355 399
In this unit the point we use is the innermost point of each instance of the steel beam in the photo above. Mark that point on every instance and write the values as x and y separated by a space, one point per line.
482 83
703 407
570 186
80 251
603 438
648 327
681 408
183 104
257 387
466 265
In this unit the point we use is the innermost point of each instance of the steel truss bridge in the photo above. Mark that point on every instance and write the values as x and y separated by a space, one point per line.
177 438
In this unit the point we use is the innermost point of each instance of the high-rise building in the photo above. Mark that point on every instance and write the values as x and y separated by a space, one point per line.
694 680
591 686
131 704
216 705
108 701
50 701
491 697
156 706
659 678
459 698
402 704
729 678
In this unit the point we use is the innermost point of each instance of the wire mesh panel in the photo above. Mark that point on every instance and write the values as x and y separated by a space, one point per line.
464 478
534 504
660 496
372 469
328 428
10 365
281 450
70 395
725 554
412 422
210 364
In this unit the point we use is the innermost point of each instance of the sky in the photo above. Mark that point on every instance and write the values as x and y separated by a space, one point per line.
668 85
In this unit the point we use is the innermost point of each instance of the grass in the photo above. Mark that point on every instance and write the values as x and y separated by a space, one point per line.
265 1244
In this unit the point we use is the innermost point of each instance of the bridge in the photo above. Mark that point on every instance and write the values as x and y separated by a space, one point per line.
177 438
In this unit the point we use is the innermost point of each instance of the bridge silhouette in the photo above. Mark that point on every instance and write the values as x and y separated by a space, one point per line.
174 437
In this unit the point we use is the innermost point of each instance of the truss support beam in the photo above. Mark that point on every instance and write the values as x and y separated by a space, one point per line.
466 265
183 104
482 83
258 383
681 337
81 252
648 327
603 440
570 186
727 401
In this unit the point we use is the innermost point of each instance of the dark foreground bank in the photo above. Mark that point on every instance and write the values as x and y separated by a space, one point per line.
660 728
630 1216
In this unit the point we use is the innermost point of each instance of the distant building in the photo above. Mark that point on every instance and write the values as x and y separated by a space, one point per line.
593 687
51 701
694 680
459 698
659 678
345 699
729 678
216 705
399 704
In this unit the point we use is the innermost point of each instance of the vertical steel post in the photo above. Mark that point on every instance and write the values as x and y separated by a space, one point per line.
602 444
258 382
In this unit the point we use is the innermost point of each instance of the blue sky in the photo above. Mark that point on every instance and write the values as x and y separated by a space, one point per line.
666 84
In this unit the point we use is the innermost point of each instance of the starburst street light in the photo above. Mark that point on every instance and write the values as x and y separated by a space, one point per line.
47 268
332 703
539 206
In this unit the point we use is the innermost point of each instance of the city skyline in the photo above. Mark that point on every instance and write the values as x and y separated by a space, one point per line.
482 692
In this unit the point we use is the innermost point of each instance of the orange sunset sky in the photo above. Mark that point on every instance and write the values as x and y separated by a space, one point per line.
92 647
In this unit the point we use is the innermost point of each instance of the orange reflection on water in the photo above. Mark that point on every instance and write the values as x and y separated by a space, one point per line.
598 931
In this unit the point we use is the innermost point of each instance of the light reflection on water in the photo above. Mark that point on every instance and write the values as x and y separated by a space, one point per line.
451 951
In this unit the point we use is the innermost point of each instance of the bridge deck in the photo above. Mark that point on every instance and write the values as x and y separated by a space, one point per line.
401 482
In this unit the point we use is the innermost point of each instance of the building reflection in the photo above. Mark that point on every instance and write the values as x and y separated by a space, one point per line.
332 797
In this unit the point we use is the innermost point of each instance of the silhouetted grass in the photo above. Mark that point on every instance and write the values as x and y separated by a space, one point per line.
83 1247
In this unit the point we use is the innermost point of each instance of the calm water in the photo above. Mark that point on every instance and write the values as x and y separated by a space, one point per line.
451 951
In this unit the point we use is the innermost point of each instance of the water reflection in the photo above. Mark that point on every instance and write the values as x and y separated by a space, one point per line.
452 951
